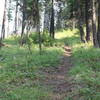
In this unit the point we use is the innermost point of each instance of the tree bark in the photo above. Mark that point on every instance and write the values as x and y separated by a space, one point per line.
59 17
38 27
4 22
94 26
82 34
98 33
36 19
47 16
24 17
80 21
16 12
88 19
52 29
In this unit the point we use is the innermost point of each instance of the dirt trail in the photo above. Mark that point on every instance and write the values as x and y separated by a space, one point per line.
58 79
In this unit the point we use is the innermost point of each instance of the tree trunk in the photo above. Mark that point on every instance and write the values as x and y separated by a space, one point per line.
94 26
47 16
16 12
4 22
59 17
80 21
24 17
81 33
36 19
98 33
52 30
88 19
38 27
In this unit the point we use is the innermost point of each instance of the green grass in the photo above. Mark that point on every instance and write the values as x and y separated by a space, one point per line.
86 68
20 70
87 72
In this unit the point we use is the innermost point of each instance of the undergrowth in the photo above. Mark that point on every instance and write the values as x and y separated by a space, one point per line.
86 69
20 70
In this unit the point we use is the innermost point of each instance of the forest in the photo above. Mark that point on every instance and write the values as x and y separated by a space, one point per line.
50 50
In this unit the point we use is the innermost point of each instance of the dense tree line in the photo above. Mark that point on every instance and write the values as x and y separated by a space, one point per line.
86 12
82 14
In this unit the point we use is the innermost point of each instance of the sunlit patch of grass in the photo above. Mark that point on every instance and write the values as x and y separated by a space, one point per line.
68 37
12 40
66 33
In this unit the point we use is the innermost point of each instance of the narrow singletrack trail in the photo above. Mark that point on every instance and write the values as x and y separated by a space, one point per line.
57 79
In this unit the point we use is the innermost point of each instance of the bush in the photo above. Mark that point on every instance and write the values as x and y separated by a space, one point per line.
45 39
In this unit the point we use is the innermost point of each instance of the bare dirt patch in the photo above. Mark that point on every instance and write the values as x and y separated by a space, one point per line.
57 79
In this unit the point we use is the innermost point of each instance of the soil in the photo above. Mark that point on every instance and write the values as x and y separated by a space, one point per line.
58 79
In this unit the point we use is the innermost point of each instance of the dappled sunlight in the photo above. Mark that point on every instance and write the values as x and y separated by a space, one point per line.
67 34
12 40
83 45
50 50
22 69
68 37
1 66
